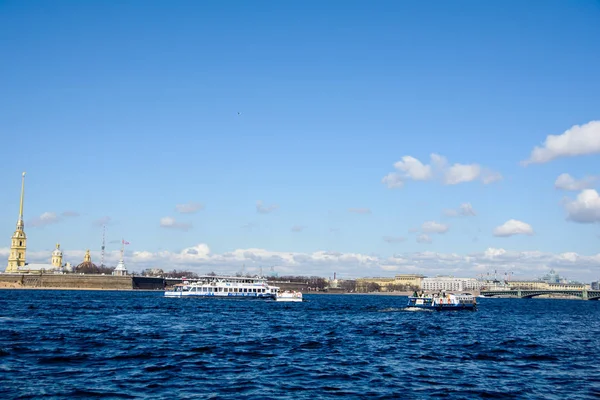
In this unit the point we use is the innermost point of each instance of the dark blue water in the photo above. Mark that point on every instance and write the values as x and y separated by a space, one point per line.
141 345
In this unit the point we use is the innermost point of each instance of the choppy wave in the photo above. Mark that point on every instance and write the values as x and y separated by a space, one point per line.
65 344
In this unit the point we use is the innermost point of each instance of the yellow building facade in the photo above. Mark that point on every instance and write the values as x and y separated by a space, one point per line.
57 257
385 283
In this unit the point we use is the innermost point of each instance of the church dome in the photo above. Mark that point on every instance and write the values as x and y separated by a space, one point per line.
87 266
57 252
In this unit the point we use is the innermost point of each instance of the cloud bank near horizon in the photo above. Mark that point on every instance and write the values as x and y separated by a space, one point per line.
200 259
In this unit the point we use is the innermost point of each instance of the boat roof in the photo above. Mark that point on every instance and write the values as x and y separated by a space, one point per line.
225 277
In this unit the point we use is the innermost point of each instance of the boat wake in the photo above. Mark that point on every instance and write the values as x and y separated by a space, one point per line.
391 309
417 309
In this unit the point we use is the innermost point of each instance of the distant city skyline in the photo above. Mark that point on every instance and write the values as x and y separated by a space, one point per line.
431 137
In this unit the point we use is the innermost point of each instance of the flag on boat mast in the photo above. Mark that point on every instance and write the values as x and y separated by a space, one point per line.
124 241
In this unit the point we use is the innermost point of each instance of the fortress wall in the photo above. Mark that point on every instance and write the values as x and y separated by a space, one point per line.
56 281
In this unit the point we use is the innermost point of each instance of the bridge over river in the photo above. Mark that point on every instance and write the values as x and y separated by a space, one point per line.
529 293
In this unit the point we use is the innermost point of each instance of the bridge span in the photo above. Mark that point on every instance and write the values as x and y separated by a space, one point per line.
529 293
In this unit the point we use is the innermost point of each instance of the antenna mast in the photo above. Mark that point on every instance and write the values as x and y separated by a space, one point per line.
103 244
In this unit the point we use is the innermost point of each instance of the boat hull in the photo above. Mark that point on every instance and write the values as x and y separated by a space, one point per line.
289 300
445 307
221 295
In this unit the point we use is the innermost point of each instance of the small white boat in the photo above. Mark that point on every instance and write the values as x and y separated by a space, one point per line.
443 302
289 296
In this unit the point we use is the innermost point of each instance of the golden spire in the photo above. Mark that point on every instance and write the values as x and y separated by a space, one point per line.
20 222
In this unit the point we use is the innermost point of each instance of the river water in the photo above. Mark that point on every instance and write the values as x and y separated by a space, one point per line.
67 344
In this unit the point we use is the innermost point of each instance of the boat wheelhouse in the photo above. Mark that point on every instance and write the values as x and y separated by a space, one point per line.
226 287
443 302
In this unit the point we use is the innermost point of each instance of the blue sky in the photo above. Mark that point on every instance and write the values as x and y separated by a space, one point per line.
125 110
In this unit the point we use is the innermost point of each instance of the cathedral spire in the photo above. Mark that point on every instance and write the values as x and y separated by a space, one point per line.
20 221
18 243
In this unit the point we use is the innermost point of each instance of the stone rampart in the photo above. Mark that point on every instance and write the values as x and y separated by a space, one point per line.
66 281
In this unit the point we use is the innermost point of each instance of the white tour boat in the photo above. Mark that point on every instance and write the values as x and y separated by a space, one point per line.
443 301
226 287
289 296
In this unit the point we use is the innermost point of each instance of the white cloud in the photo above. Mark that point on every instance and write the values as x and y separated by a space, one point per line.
189 208
576 141
393 180
464 210
46 218
434 227
298 228
409 168
413 168
488 176
49 218
262 209
459 173
585 208
513 227
394 239
360 210
491 253
171 223
199 258
423 238
567 182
